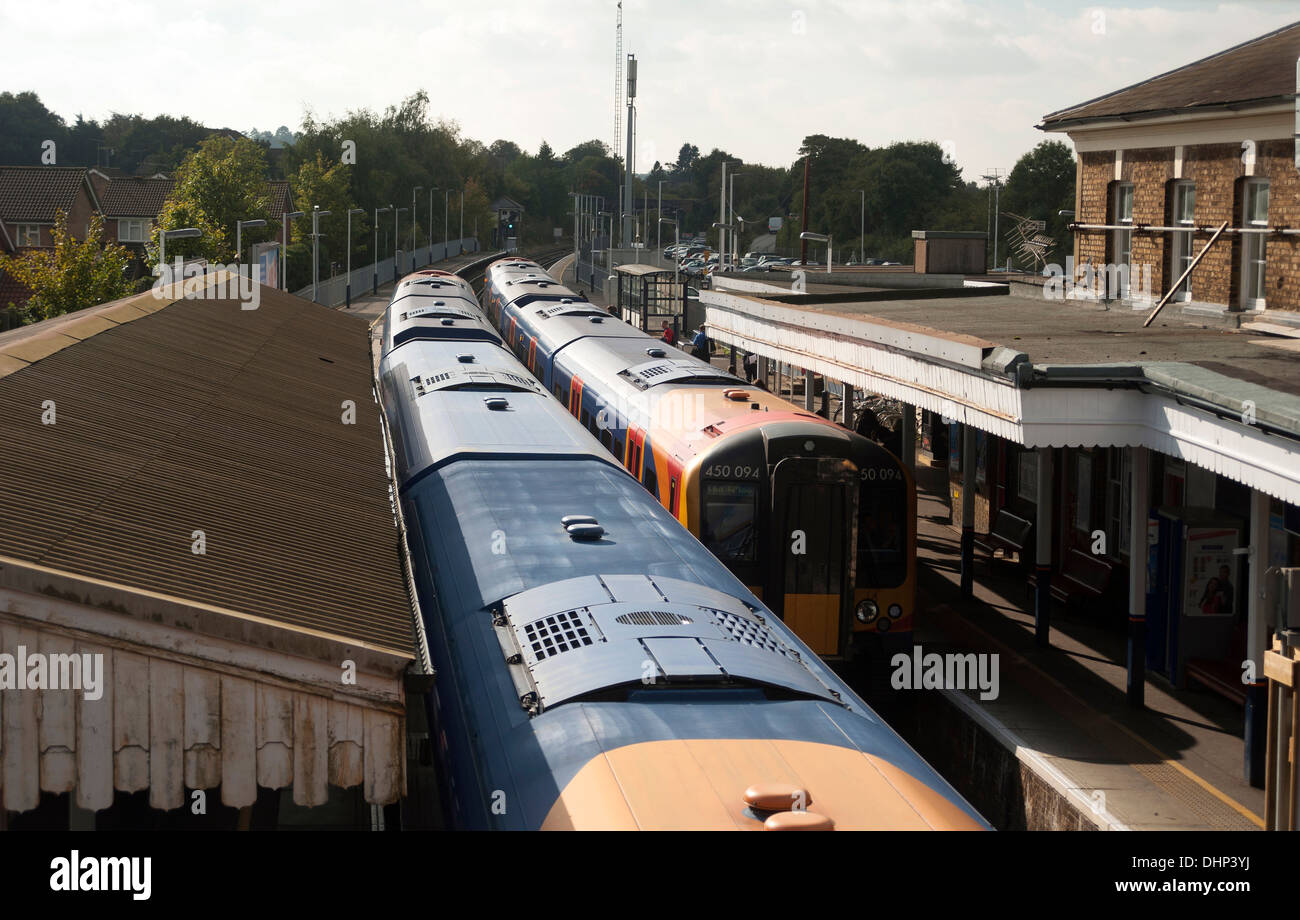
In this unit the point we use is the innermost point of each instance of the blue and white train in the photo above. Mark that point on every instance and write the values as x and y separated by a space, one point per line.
596 666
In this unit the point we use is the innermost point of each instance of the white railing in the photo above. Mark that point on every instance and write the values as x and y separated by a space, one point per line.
332 292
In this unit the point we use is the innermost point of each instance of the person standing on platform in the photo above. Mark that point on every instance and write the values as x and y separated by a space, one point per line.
700 344
668 335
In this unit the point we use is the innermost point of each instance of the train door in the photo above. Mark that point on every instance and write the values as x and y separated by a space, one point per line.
812 549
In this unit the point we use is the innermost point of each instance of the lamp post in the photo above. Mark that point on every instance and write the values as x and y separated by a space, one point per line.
722 237
677 238
432 189
460 247
862 237
731 214
184 233
659 213
316 215
347 304
397 212
820 238
418 188
239 236
446 199
284 248
378 211
609 243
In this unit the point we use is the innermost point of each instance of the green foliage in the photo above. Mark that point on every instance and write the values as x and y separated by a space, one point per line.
74 275
1041 184
220 183
324 184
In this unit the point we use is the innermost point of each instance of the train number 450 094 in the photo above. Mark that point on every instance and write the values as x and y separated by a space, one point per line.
881 474
727 471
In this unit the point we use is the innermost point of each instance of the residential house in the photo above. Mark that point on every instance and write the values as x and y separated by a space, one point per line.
30 198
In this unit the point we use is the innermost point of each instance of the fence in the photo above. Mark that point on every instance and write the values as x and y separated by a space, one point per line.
333 291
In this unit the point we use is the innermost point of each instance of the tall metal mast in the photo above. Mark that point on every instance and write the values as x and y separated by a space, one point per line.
618 83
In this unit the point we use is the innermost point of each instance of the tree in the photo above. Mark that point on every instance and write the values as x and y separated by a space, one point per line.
1041 184
222 182
324 183
74 275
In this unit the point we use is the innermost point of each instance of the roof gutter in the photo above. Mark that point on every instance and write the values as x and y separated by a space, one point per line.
1129 117
1139 377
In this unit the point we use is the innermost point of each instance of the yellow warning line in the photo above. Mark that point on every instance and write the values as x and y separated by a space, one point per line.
1203 783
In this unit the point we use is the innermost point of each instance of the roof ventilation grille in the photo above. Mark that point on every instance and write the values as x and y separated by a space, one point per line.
653 618
552 635
747 632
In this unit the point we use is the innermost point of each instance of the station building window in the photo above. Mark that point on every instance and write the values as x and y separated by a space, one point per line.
1122 238
1254 246
1182 214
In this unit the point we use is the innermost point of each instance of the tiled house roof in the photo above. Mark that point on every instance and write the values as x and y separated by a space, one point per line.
281 197
136 197
1258 72
36 193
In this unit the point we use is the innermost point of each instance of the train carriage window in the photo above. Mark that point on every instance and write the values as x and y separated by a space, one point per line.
730 510
607 440
672 494
559 393
586 419
618 449
651 482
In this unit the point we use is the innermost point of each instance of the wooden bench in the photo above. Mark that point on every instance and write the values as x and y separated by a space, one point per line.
1009 533
1082 576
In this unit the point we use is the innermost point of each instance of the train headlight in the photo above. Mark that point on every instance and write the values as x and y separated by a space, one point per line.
867 611
884 625
895 611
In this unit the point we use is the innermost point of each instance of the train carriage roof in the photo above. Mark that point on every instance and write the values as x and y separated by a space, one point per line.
486 405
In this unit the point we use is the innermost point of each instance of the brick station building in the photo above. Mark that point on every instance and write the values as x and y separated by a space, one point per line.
1165 162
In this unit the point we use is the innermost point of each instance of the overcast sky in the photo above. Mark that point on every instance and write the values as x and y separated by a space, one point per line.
751 76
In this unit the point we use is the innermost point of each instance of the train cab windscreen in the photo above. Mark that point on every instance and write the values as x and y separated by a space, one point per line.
882 537
729 522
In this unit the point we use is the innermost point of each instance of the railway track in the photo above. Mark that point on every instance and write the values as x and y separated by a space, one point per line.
473 273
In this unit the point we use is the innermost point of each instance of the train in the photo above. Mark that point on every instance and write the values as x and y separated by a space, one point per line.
596 666
817 521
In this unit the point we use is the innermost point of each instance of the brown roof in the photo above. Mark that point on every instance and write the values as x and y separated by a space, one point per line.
197 415
12 291
281 197
1258 72
135 197
35 193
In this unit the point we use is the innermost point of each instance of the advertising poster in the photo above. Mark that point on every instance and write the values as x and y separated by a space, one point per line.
1210 572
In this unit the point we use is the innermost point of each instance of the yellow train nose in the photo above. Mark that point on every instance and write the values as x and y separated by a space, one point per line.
709 784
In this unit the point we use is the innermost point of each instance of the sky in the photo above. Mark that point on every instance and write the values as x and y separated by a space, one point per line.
750 76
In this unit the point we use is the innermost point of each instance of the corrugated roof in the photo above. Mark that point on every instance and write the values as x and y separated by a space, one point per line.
36 192
198 415
135 196
1260 71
